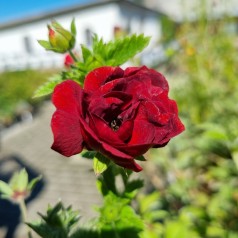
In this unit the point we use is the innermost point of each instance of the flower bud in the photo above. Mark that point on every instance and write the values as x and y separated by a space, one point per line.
68 61
19 187
60 39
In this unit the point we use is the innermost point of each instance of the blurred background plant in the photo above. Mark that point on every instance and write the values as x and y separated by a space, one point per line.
16 91
195 181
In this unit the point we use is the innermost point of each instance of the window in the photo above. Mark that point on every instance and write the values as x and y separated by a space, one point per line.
88 36
27 44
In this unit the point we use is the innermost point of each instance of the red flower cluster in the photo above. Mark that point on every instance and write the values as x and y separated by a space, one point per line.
119 113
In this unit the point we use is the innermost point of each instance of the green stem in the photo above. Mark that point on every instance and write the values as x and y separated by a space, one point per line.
73 56
23 209
115 230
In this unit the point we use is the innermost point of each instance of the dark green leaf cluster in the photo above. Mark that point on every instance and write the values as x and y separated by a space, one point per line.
118 219
57 223
107 182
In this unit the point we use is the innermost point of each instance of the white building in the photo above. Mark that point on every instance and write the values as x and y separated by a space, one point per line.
19 48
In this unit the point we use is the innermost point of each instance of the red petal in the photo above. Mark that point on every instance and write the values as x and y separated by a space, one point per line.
103 131
121 158
67 133
135 150
143 133
67 98
99 76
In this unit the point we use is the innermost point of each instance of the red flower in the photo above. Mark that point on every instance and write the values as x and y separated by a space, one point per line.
68 61
120 113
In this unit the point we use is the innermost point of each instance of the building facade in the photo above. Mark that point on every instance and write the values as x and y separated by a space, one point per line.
19 48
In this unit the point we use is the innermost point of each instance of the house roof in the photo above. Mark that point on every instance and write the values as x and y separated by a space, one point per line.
71 9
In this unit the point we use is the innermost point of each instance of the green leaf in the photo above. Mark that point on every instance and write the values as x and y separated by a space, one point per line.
33 183
48 87
45 44
107 182
88 154
176 229
86 54
117 217
100 163
73 27
5 189
115 52
134 185
129 47
59 222
141 158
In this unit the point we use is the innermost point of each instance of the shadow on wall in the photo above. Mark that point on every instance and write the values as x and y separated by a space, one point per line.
10 216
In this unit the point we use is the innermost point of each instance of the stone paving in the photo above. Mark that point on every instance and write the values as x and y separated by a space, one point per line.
69 179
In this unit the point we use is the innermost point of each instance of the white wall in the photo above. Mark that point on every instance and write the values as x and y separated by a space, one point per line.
100 20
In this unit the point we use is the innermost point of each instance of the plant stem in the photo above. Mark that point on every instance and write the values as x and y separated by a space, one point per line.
73 56
23 209
115 230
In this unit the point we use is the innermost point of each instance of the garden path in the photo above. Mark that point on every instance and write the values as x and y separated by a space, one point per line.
69 179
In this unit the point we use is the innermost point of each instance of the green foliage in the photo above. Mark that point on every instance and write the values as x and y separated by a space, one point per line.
129 46
17 87
168 28
118 219
196 174
128 188
48 87
59 222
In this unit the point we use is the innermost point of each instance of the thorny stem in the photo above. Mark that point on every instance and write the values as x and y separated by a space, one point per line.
73 56
24 215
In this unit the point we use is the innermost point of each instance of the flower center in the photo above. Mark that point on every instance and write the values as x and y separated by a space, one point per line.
115 124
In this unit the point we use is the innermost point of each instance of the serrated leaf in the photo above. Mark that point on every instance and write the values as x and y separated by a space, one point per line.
5 189
48 87
45 44
46 231
129 47
86 53
117 52
116 216
100 163
58 222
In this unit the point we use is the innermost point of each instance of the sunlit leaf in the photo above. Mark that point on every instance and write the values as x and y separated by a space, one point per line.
100 163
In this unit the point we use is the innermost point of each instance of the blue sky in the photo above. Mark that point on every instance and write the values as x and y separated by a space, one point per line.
16 9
